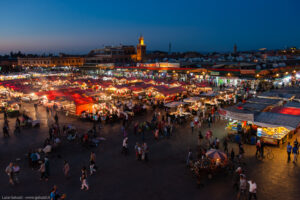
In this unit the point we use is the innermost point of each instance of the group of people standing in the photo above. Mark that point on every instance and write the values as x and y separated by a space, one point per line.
141 152
293 149
13 170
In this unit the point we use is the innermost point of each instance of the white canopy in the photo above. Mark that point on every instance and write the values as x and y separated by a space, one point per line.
191 99
174 104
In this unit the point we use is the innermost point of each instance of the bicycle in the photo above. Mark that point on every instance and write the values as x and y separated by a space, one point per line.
268 154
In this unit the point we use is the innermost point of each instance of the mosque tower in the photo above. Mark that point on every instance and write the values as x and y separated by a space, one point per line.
141 50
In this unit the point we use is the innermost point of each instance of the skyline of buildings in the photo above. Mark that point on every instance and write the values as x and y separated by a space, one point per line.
136 55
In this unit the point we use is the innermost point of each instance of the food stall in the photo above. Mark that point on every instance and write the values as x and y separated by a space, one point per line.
273 135
12 109
275 127
195 104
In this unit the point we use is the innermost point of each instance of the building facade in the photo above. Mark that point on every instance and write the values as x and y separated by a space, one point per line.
110 54
51 61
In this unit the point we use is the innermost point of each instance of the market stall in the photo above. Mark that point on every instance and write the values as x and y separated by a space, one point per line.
12 109
275 126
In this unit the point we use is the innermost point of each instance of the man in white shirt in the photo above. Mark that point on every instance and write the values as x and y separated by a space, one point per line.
252 189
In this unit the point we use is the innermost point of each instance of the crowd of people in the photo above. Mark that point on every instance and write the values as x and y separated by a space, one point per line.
161 126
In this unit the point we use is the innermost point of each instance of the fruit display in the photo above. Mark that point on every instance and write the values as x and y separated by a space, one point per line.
275 133
232 126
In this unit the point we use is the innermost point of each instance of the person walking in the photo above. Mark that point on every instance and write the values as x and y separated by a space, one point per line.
258 147
252 189
232 155
84 171
43 171
16 171
53 192
243 186
17 126
66 169
262 147
189 157
34 159
295 152
93 157
84 184
200 137
140 152
192 126
146 152
241 151
225 145
92 168
296 143
125 146
56 118
136 151
289 150
5 131
156 134
209 121
47 167
9 172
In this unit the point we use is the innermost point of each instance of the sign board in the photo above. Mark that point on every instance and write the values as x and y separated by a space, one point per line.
158 64
214 73
106 65
259 132
247 71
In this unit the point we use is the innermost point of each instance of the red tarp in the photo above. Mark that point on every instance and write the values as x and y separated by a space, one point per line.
286 110
75 95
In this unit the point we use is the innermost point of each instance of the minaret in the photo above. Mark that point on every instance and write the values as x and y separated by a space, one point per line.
140 50
170 45
234 49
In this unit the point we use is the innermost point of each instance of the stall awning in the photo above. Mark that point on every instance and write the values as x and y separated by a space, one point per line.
237 114
209 94
255 107
286 110
292 104
269 119
276 95
264 101
174 104
191 99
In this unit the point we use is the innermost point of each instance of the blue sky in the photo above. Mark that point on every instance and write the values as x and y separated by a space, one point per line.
74 26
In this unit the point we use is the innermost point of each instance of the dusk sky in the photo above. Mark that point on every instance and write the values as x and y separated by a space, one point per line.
73 26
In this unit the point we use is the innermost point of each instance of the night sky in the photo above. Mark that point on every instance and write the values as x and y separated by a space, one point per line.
73 26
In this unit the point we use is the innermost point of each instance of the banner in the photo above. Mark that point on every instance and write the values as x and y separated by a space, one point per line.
247 71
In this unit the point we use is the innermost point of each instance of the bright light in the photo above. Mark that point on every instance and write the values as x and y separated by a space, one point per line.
287 79
32 94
